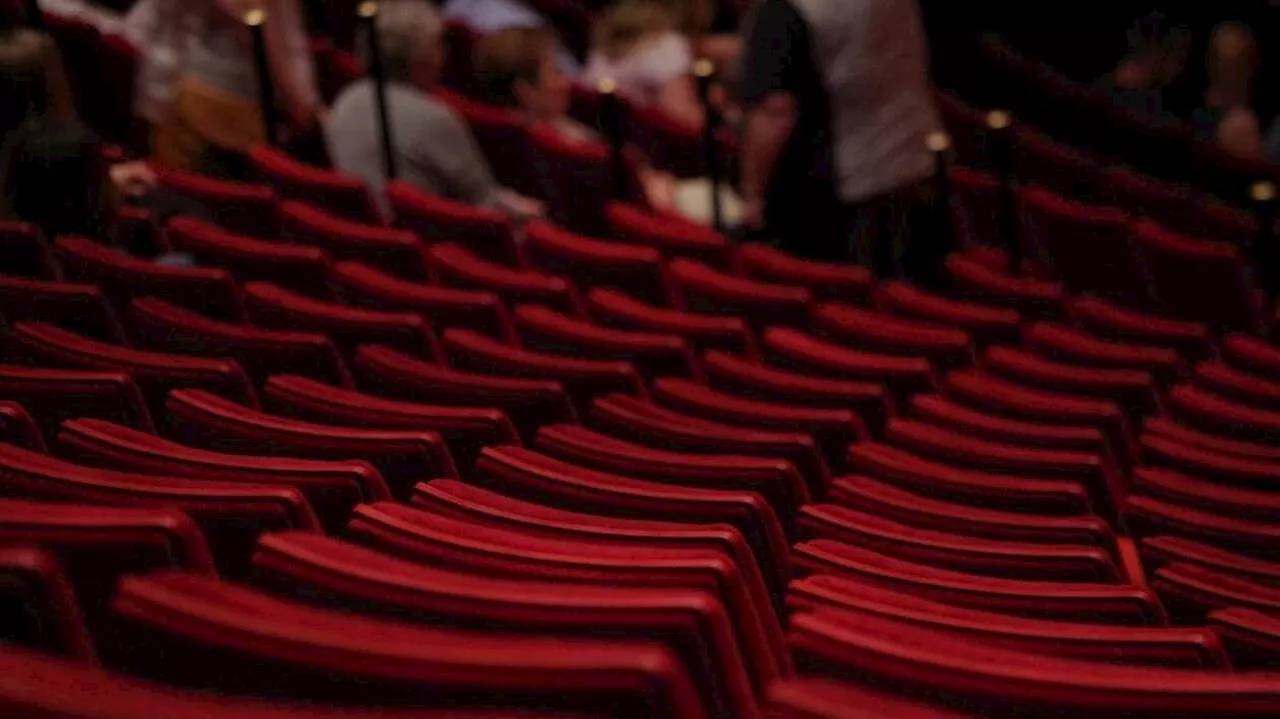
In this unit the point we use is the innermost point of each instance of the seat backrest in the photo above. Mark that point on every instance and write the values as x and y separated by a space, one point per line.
364 286
967 674
343 195
577 180
591 262
396 251
54 395
457 265
702 288
270 646
273 306
647 423
466 429
232 515
200 419
1087 247
26 252
437 219
332 487
670 236
249 209
81 307
1226 297
249 258
527 474
155 372
470 502
617 309
35 684
695 625
40 605
160 325
1190 648
208 290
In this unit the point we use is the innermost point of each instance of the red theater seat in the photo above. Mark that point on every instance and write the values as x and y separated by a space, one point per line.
161 326
341 194
398 252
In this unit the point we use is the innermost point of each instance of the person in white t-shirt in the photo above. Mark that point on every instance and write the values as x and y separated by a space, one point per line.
645 46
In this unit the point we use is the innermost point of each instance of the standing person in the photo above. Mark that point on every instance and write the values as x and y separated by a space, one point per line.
1227 118
213 117
434 148
838 105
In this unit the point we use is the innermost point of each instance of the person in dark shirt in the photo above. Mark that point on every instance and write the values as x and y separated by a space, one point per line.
838 106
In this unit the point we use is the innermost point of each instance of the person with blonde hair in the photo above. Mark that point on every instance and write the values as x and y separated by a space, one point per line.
647 48
212 117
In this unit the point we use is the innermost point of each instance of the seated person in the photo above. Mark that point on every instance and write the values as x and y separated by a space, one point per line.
647 48
53 175
516 68
433 147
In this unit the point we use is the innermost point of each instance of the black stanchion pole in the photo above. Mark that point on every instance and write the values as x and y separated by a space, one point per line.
611 126
35 15
368 12
266 89
1265 254
704 70
939 143
999 125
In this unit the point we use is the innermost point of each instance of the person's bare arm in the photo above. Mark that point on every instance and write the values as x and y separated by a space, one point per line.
679 98
768 126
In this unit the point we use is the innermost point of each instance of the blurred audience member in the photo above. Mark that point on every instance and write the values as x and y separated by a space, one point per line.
32 79
434 148
1156 58
1227 117
517 69
489 16
838 105
213 117
52 167
647 48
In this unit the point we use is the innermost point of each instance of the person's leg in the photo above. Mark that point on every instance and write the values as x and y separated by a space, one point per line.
862 231
812 231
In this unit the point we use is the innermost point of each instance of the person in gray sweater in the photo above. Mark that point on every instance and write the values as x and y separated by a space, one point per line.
433 146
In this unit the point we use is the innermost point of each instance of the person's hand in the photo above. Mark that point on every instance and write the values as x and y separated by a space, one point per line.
521 206
659 189
132 179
